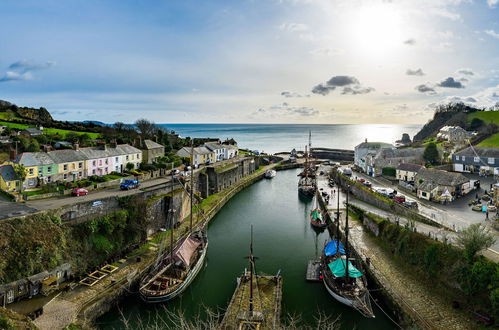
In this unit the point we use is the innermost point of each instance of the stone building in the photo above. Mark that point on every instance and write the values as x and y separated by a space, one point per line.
365 148
407 172
454 134
432 183
151 151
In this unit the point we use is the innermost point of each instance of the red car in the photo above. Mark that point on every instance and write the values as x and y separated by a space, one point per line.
79 192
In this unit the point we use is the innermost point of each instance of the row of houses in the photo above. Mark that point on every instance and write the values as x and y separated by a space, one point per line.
209 153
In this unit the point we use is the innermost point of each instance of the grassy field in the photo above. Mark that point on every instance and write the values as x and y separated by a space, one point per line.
486 116
492 141
8 115
50 131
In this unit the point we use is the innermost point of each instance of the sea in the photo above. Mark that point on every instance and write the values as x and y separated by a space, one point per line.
273 138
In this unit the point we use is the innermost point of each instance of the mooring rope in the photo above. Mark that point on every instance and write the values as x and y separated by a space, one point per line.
384 311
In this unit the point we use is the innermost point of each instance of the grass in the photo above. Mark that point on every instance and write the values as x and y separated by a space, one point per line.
50 131
8 115
492 141
432 140
486 116
3 156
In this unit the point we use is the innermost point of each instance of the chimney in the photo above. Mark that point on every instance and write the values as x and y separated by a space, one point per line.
114 144
12 154
76 146
366 140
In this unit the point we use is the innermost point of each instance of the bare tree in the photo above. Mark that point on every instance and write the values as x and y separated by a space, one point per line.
146 127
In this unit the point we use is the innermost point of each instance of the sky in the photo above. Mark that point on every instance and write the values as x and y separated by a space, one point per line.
249 61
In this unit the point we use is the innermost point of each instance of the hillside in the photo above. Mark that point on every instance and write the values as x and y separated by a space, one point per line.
40 115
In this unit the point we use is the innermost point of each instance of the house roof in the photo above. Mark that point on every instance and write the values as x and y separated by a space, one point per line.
202 151
374 145
428 186
409 167
186 151
33 131
7 173
440 177
67 156
34 159
401 153
149 144
214 146
480 151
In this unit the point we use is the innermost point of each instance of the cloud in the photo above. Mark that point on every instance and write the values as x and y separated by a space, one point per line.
293 27
470 99
285 110
492 3
492 33
293 94
410 42
13 76
425 88
348 84
400 109
25 65
21 70
450 83
418 72
467 72
326 52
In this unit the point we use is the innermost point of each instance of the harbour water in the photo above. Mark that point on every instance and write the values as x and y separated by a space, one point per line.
273 138
283 240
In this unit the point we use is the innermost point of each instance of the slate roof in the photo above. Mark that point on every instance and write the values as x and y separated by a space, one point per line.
401 153
186 151
34 159
374 145
409 167
214 146
480 151
67 156
149 144
440 177
7 173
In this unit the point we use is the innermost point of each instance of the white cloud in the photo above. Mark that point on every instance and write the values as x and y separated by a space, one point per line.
492 33
293 27
492 3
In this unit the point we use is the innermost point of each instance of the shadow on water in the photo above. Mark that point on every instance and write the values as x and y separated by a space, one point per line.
283 240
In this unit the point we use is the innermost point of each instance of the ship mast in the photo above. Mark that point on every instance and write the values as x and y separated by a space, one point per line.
338 223
346 237
192 183
310 141
252 266
171 219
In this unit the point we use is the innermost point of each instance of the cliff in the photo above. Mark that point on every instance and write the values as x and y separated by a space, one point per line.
40 115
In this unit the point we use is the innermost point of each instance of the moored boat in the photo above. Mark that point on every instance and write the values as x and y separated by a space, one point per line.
269 174
341 275
316 217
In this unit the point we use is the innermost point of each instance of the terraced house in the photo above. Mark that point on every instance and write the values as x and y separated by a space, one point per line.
72 165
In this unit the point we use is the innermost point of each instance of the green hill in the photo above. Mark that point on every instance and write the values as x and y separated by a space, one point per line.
489 117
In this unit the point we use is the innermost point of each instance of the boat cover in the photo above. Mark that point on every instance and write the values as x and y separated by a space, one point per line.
185 251
316 215
330 249
338 268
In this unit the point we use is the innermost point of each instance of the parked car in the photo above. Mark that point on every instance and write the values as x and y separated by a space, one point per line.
367 184
79 192
399 199
129 184
347 171
410 204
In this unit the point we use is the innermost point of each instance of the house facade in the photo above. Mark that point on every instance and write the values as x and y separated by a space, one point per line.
407 172
40 168
483 160
386 157
220 150
454 134
431 184
71 165
366 148
151 151
8 178
201 155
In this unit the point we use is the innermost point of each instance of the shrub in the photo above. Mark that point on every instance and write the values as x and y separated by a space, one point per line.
389 171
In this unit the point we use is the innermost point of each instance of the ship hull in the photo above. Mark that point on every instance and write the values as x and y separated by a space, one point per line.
190 277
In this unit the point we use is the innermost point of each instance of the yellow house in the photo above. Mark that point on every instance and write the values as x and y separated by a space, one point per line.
202 155
8 178
71 165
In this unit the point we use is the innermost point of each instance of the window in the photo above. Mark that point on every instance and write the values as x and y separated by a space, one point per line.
65 167
80 165
126 157
423 194
94 163
457 157
10 296
476 159
20 288
49 179
107 162
93 171
80 174
31 171
116 168
463 158
65 176
58 274
116 159
49 169
138 156
490 160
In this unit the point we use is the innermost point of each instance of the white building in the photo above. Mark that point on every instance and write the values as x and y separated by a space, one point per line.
365 148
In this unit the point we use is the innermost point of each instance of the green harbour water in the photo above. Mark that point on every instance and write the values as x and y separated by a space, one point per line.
283 240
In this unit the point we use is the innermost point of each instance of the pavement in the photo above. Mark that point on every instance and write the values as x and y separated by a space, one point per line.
10 209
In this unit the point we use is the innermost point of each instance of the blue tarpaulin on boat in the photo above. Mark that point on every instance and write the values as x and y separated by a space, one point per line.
330 249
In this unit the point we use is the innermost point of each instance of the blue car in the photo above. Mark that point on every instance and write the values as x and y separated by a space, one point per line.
129 184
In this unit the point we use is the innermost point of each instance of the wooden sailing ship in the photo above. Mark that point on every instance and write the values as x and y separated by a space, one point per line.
175 270
306 184
316 217
256 302
341 275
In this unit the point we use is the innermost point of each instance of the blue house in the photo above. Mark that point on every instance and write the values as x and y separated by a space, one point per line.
483 160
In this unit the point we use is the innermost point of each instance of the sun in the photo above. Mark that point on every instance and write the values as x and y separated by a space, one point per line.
376 29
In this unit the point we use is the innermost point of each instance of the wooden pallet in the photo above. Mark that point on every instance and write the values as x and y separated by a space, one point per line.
313 271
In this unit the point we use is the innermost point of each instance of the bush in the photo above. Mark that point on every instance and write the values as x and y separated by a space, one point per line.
389 171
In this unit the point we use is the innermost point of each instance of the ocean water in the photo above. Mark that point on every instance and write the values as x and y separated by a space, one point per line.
272 138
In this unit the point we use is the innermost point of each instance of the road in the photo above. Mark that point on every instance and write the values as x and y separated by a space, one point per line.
10 209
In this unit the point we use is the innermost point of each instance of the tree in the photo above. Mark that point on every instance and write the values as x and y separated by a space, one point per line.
431 153
34 146
119 126
474 239
21 173
129 166
476 123
146 128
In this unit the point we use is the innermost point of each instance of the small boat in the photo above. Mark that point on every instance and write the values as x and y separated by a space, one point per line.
256 303
341 275
269 174
316 218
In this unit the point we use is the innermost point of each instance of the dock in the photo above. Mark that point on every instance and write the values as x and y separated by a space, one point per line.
314 271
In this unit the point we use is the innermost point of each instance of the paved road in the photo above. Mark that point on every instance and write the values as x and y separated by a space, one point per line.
10 209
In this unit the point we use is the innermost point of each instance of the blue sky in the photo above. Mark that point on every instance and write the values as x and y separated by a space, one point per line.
269 61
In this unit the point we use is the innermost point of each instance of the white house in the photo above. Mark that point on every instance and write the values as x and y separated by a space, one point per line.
365 148
220 150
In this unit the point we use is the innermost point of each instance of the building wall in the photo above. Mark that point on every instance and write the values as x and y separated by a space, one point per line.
406 175
100 166
71 171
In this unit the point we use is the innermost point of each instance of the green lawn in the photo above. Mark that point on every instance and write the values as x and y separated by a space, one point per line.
492 141
62 132
8 115
486 116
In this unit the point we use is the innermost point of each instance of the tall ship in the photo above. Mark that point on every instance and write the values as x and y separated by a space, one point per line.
341 275
175 270
307 184
256 302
